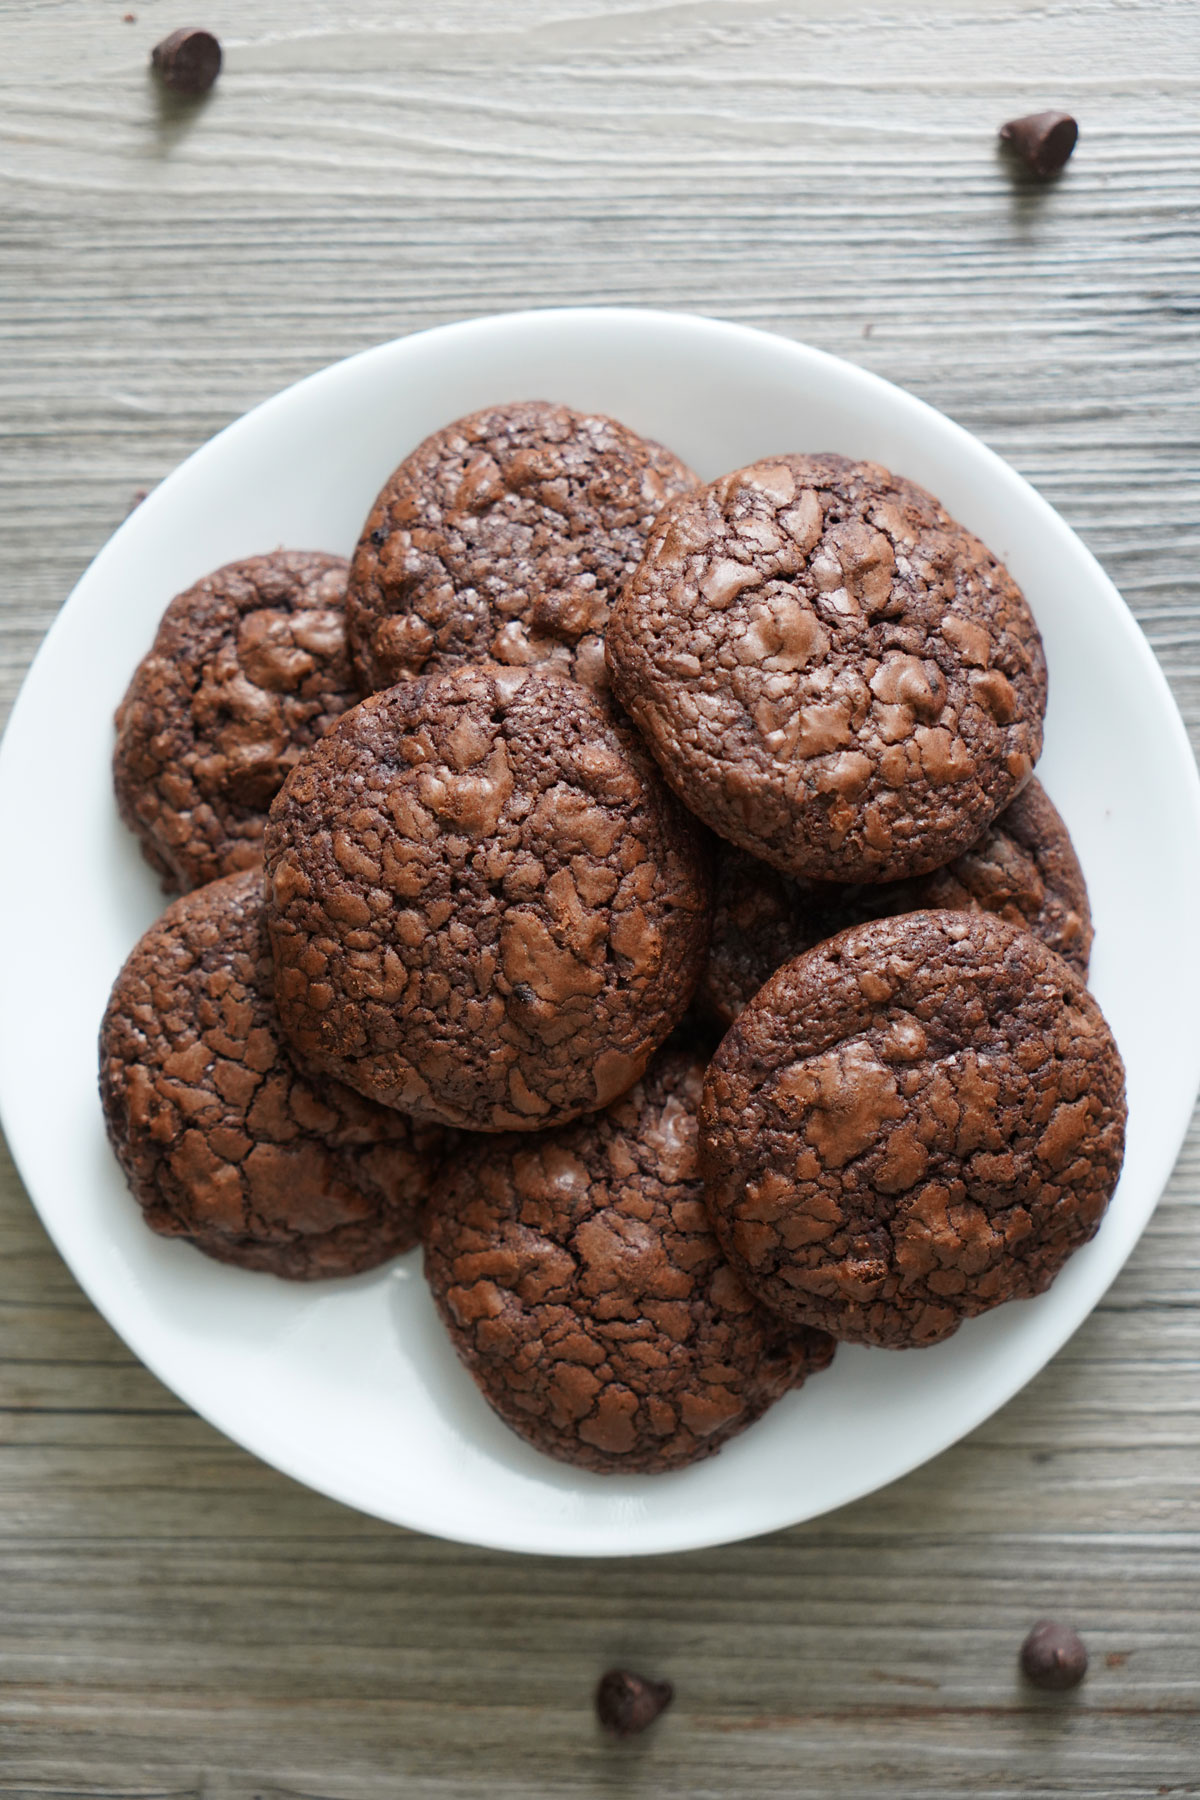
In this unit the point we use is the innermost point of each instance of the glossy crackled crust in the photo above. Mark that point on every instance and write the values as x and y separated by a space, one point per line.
832 673
1023 868
486 907
582 1286
910 1124
505 536
247 669
221 1138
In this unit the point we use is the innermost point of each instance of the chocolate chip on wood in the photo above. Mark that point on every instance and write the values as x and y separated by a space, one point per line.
487 909
583 1287
1054 1657
627 1703
507 535
911 1123
832 673
187 61
222 1139
1043 141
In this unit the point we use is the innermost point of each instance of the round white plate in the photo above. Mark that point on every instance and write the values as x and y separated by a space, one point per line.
352 1387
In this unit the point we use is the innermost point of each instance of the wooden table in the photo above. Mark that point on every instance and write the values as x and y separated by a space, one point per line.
178 1619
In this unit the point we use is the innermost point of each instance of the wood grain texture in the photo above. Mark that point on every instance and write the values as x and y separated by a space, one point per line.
177 1620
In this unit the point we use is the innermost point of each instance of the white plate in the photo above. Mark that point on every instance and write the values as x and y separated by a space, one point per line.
351 1387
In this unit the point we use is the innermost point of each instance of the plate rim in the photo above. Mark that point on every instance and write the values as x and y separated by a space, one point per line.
1021 1369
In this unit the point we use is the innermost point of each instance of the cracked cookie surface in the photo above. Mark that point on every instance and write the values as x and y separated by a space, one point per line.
832 673
247 669
486 907
910 1124
506 536
1024 869
222 1139
581 1283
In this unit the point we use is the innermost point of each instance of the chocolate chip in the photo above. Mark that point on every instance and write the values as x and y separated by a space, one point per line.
1043 141
188 61
626 1703
1053 1657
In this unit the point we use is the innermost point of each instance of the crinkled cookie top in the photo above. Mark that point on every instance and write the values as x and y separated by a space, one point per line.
832 673
911 1123
222 1138
506 536
247 670
486 907
583 1287
1023 868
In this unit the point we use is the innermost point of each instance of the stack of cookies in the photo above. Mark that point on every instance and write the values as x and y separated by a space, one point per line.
486 837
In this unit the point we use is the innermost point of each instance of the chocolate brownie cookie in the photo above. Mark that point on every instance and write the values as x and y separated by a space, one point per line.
486 908
911 1123
581 1283
832 673
222 1139
1023 868
248 668
506 536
